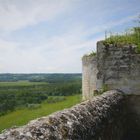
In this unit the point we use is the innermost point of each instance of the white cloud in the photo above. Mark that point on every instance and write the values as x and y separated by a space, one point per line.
58 53
16 14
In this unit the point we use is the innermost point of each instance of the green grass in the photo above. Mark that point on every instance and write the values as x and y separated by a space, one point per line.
130 37
23 116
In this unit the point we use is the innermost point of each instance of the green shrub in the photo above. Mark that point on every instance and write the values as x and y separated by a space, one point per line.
54 99
92 53
105 88
33 106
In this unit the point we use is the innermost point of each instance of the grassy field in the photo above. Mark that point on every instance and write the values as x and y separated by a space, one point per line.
23 116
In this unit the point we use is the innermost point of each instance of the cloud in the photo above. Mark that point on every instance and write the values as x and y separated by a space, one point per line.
15 59
17 14
75 27
58 54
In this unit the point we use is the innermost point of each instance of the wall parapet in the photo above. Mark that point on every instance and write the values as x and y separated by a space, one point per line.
101 118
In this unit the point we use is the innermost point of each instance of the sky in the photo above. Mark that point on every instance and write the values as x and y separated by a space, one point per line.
51 36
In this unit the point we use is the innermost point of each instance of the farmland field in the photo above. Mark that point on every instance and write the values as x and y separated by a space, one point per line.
33 96
23 116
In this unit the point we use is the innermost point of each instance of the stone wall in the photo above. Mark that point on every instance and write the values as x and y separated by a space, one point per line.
119 67
133 117
115 115
102 118
89 77
116 67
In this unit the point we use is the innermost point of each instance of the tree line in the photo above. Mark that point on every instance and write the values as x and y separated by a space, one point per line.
12 97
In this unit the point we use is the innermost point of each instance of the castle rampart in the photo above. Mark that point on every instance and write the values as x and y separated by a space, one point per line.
102 118
116 67
114 115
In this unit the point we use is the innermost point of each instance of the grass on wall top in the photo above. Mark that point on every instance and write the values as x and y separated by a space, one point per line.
130 37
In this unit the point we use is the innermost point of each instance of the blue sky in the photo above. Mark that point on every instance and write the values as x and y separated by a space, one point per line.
51 36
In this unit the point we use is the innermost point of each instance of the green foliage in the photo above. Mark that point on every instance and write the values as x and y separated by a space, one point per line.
130 37
137 38
22 94
96 93
105 88
33 106
21 101
92 53
54 99
22 116
50 78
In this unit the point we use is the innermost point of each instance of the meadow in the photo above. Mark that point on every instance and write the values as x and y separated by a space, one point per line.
22 100
22 116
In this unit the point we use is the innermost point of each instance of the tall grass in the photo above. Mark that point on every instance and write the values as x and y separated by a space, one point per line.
129 37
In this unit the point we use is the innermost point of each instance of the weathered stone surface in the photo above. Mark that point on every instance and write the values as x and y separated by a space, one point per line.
88 80
133 117
101 118
117 67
